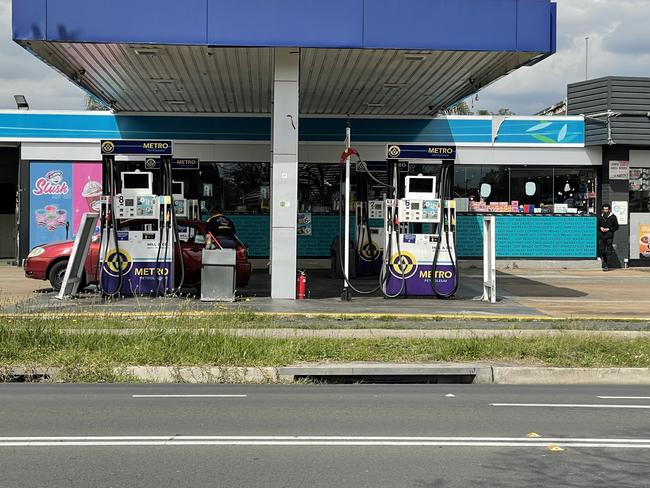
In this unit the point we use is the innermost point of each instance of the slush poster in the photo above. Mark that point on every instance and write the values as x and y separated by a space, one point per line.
87 191
61 192
50 202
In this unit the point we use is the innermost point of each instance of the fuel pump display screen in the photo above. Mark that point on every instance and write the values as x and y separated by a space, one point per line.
421 185
415 206
135 181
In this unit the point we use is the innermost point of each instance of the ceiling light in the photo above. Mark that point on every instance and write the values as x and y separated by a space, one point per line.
375 105
175 102
414 57
394 85
146 51
163 81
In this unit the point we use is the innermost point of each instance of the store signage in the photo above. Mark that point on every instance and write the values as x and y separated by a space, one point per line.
52 183
135 148
644 241
619 208
619 170
191 164
413 151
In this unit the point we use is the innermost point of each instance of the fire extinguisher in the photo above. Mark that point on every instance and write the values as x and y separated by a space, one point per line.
301 286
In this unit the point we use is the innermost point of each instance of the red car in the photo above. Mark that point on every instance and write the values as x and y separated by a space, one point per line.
49 261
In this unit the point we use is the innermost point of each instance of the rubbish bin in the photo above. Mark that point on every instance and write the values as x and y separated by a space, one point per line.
218 278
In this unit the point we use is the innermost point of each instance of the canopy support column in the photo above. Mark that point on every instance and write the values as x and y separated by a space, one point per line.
284 173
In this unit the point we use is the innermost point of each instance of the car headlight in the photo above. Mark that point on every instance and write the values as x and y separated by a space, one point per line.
37 251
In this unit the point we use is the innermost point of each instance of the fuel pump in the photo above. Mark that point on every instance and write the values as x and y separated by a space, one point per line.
185 188
419 226
420 233
138 226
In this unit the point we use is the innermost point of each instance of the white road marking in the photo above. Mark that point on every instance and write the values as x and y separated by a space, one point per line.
189 396
567 405
319 441
624 397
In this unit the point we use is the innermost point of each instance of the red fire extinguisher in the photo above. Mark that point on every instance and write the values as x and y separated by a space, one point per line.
301 286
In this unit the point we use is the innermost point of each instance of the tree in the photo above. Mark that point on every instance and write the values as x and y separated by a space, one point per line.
502 111
460 108
94 104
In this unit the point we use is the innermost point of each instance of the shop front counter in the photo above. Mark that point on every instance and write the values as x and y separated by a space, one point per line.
530 236
519 236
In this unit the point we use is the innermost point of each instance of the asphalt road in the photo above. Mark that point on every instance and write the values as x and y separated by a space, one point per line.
438 436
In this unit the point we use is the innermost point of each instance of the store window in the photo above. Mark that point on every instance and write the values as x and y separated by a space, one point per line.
7 198
235 188
318 188
574 190
532 186
640 190
527 189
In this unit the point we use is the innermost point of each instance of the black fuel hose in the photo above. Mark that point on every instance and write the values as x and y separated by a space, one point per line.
445 192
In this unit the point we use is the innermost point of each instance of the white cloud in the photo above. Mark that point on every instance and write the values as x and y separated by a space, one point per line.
21 73
617 30
618 45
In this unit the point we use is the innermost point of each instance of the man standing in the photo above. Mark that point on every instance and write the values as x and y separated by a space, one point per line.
607 225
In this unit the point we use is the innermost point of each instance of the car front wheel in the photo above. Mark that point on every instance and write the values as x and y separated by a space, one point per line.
57 273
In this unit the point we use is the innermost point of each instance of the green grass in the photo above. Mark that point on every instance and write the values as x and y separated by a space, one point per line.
94 355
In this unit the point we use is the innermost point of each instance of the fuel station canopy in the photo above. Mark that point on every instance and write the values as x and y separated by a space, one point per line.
360 57
286 58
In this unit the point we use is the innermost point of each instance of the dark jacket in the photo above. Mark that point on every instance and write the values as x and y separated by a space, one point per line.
611 222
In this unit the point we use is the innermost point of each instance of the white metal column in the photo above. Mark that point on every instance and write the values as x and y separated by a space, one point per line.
284 173
346 229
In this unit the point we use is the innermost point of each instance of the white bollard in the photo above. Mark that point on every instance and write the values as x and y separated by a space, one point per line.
489 259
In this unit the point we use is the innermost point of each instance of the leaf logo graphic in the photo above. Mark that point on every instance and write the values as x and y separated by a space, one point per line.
540 126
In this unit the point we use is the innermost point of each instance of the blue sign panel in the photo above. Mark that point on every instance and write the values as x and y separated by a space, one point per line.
397 151
551 131
135 148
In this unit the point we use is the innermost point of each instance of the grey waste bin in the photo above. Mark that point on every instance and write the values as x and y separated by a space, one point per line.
218 278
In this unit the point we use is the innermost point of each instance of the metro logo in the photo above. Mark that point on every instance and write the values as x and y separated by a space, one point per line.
441 150
151 272
155 145
440 275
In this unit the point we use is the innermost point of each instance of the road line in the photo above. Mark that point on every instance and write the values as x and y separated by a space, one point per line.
189 396
526 440
358 441
567 405
624 397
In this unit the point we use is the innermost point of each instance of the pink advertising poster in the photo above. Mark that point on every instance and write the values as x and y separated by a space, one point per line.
87 191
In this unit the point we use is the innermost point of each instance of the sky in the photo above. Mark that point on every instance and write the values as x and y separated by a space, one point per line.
618 45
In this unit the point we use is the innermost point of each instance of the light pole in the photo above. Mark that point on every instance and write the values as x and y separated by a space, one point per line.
586 58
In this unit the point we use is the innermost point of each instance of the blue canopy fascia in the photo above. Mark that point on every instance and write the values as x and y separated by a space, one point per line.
447 25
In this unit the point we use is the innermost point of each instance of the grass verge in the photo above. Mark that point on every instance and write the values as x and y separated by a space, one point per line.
94 356
179 320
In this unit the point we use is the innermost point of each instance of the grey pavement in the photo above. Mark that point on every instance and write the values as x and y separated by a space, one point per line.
353 412
524 294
